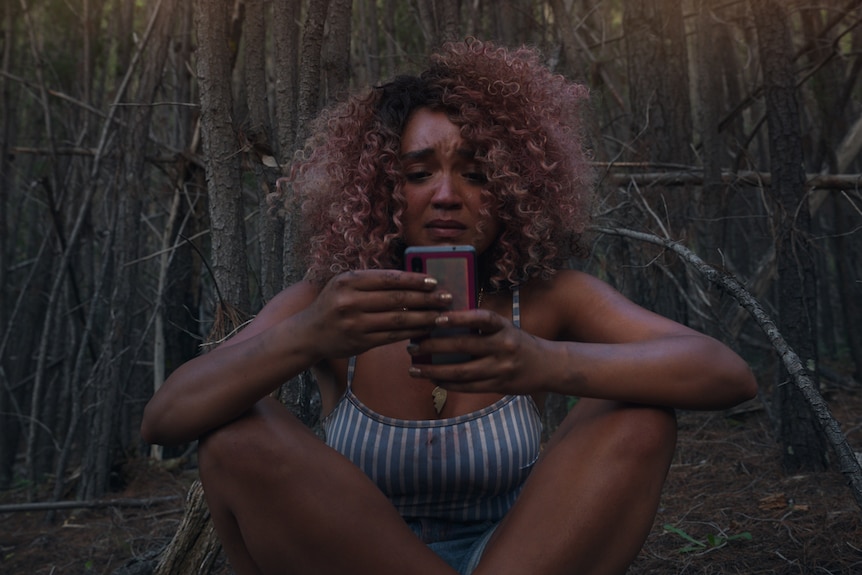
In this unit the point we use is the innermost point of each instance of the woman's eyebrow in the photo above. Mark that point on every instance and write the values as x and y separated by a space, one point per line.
466 153
417 154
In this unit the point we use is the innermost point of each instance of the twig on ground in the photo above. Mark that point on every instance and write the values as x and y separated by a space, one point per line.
92 504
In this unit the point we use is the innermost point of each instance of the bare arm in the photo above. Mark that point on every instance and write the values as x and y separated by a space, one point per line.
596 343
218 386
298 329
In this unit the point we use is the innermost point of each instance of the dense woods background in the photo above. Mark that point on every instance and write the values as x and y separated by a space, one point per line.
140 140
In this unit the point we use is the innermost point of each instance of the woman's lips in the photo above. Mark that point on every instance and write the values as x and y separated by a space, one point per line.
445 229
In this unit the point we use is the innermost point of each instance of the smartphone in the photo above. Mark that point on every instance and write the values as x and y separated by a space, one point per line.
454 268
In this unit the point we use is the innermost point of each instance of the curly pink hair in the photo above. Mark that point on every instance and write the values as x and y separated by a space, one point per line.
523 120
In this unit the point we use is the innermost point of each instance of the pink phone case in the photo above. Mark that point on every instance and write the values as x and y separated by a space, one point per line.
454 268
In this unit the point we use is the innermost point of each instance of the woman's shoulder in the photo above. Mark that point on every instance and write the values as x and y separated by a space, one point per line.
564 286
546 304
573 305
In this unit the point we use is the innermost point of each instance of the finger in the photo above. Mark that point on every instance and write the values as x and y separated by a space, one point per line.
404 300
471 376
484 321
399 323
374 280
446 342
384 290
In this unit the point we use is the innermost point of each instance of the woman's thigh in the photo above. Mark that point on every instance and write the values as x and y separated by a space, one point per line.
591 499
284 502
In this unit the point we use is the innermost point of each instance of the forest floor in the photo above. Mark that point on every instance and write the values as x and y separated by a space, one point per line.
727 508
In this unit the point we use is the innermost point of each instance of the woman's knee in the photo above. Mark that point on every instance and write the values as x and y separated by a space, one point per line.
645 432
628 432
253 446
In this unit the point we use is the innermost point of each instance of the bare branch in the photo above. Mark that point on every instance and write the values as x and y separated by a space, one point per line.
694 177
849 465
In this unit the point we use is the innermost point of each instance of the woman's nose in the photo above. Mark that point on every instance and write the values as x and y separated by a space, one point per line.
447 194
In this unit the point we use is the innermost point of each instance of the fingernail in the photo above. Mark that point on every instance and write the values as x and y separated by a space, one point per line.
414 371
412 348
430 282
445 297
441 320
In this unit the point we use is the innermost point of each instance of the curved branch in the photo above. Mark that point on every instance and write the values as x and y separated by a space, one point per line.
848 463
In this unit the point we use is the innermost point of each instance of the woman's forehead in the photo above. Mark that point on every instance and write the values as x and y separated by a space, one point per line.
432 131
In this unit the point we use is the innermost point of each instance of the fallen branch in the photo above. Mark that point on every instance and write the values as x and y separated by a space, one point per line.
695 178
847 462
92 504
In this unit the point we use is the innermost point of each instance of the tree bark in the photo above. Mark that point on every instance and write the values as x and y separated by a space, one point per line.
310 71
299 394
438 20
661 131
195 546
9 430
259 149
657 64
335 56
710 201
218 134
849 280
287 33
802 445
122 343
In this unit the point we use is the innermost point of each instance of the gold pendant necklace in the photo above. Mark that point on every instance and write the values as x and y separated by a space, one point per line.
439 394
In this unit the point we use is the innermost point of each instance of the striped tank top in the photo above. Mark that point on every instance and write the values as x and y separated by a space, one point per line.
466 468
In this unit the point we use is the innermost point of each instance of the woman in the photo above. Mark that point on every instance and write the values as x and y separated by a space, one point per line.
482 149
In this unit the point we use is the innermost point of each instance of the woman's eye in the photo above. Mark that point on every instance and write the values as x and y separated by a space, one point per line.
476 177
417 176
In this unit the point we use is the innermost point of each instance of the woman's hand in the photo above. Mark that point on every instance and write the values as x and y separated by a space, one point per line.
359 310
297 329
505 359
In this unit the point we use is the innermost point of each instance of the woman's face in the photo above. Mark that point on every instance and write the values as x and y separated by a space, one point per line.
443 185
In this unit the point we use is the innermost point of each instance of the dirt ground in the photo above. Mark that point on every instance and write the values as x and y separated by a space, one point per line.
726 509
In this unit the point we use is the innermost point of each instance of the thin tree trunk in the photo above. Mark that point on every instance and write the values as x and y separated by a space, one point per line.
229 260
287 54
308 105
710 201
389 32
657 64
310 70
849 281
159 311
125 15
34 429
335 56
298 394
78 386
799 437
260 148
195 546
8 428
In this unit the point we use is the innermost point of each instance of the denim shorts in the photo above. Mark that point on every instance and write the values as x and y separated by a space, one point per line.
459 544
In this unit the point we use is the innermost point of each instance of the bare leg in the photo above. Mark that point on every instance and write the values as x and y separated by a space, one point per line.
590 502
283 502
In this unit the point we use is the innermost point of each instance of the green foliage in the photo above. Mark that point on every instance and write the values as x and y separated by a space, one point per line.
712 541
